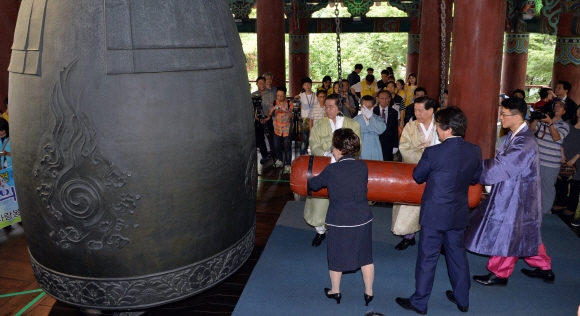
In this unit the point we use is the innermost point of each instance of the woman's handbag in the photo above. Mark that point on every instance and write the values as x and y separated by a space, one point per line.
305 124
567 171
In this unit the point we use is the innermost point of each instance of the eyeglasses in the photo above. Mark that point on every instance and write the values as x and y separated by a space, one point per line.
504 115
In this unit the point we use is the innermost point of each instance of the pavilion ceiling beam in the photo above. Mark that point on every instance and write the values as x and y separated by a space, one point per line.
347 25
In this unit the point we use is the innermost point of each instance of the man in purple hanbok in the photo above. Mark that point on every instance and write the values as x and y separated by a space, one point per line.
506 225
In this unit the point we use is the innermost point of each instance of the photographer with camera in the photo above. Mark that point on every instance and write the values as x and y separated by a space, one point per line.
262 100
550 131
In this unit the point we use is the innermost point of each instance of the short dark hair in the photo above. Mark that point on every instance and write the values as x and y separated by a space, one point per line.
4 126
384 91
358 66
419 89
544 92
574 119
384 72
370 78
260 78
516 106
390 82
282 88
345 140
429 103
371 69
367 98
566 85
401 81
452 117
326 78
306 80
334 97
518 91
321 91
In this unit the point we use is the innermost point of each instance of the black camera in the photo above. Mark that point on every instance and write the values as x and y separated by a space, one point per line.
296 106
257 103
542 112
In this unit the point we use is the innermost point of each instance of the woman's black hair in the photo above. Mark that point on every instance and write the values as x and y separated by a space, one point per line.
4 126
345 140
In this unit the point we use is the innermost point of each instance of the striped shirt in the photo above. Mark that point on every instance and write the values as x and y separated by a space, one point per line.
550 151
317 113
283 120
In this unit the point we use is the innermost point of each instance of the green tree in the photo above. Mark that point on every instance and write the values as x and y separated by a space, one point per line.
540 63
380 50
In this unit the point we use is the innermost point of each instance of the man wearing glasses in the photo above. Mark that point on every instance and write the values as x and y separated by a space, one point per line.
506 226
318 112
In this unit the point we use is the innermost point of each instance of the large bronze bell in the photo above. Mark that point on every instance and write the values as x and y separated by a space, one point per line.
133 148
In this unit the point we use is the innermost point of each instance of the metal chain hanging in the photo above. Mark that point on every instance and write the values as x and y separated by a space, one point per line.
338 52
443 52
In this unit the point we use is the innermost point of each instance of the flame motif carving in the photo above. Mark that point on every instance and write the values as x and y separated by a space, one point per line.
80 187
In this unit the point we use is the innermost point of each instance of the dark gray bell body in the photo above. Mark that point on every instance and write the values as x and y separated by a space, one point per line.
133 148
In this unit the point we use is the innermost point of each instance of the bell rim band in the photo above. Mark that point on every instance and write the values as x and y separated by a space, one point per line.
45 276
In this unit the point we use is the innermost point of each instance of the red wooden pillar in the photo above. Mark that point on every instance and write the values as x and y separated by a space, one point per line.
8 15
413 46
429 70
271 42
515 62
478 28
299 63
567 58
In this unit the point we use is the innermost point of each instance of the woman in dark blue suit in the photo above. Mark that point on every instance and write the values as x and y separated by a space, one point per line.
349 216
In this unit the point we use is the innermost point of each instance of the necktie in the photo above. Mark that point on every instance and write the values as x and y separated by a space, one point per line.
383 116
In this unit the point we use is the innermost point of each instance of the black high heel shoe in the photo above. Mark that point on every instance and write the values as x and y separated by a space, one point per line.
335 296
368 299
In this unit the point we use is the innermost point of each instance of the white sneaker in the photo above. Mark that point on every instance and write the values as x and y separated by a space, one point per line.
287 169
277 164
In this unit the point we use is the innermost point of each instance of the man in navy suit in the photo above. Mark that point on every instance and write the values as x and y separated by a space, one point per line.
562 89
449 169
389 139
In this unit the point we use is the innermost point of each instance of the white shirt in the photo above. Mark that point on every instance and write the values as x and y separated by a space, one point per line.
339 122
307 102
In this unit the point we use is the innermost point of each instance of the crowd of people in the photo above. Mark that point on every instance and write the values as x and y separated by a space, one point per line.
396 120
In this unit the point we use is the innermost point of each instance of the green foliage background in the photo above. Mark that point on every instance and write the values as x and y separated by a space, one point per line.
380 50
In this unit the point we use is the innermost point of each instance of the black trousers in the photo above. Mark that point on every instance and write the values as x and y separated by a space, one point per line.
563 198
260 140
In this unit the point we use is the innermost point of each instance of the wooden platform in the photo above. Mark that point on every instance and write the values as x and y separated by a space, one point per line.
16 272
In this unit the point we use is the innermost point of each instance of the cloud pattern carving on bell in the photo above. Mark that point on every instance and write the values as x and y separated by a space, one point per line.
78 179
